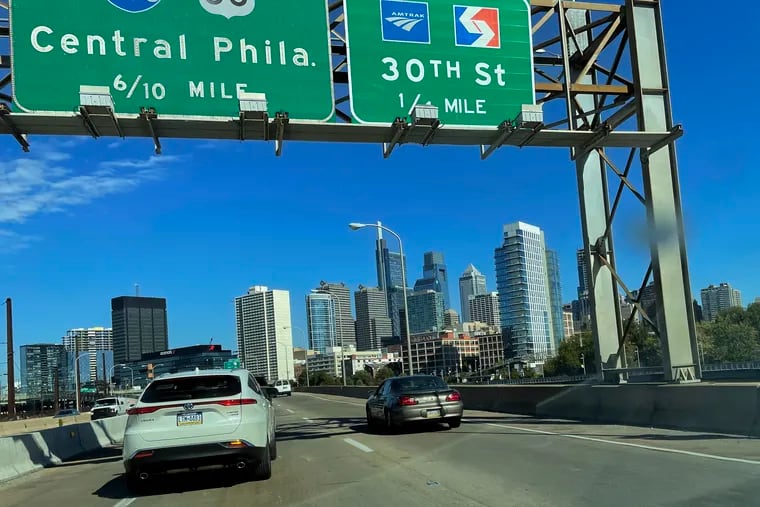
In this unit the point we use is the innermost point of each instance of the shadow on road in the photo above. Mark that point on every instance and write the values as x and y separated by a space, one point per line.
104 455
174 483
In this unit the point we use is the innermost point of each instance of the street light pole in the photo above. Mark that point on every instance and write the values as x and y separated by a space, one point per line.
355 227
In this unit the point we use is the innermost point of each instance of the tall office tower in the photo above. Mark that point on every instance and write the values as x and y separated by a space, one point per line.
372 321
471 283
346 327
139 327
435 277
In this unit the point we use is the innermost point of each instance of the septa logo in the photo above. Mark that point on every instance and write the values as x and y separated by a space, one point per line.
229 8
134 6
404 21
476 27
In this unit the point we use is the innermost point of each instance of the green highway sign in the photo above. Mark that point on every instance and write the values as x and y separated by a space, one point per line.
474 62
181 57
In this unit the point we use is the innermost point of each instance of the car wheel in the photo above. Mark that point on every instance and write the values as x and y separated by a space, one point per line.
370 421
454 423
290 394
263 470
273 449
389 426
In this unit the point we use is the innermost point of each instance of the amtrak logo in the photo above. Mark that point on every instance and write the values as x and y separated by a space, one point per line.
404 21
134 6
229 8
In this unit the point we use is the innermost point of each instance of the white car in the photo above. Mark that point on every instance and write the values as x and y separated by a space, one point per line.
196 419
283 388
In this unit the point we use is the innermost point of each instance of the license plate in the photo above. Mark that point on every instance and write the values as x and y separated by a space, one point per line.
433 413
189 419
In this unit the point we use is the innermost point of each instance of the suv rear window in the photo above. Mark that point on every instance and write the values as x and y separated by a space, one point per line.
191 388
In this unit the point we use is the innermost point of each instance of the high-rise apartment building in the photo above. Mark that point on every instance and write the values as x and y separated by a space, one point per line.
264 333
97 342
372 321
719 299
525 293
485 308
450 319
471 283
582 305
321 322
390 280
40 363
435 276
344 319
425 311
139 327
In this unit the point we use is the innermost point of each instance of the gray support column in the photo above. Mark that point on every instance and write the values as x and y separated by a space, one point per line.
675 314
595 210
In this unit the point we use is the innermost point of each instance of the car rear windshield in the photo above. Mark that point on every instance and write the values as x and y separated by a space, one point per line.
105 401
191 388
418 384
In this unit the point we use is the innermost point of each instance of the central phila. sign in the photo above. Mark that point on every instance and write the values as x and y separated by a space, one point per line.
474 61
182 57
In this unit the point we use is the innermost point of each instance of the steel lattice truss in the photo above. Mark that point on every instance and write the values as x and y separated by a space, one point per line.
588 78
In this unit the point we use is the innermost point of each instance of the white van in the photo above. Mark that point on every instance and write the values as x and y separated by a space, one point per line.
283 388
111 407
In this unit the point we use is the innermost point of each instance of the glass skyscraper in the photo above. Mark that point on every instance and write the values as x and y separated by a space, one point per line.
425 311
525 293
435 277
555 296
320 315
390 281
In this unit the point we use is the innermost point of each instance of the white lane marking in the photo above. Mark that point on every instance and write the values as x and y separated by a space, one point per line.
629 444
358 445
335 401
308 420
124 502
291 411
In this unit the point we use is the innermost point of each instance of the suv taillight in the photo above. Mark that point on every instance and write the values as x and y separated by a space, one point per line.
455 396
142 410
236 402
406 401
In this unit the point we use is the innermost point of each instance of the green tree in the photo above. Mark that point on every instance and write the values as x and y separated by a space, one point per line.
323 378
302 378
642 346
570 354
362 378
733 342
384 373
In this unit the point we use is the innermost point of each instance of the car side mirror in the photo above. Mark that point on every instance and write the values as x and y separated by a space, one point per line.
270 392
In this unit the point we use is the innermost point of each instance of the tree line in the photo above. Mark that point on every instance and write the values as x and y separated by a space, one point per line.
734 336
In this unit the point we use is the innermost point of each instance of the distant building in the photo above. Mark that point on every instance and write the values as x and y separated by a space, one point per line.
647 298
264 332
139 327
390 281
443 352
719 299
698 316
372 322
471 283
485 308
450 319
581 307
344 320
40 363
525 286
435 277
567 318
425 311
97 342
555 296
321 322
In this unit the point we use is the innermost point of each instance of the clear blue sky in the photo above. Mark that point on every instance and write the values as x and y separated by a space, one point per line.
82 221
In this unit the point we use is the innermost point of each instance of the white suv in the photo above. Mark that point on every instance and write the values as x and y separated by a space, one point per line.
196 419
283 388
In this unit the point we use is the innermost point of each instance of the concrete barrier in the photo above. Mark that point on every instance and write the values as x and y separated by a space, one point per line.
21 454
719 408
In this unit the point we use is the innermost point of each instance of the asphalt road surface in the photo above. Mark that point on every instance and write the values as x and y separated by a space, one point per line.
327 457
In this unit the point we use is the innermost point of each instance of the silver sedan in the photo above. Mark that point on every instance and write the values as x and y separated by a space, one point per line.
415 398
